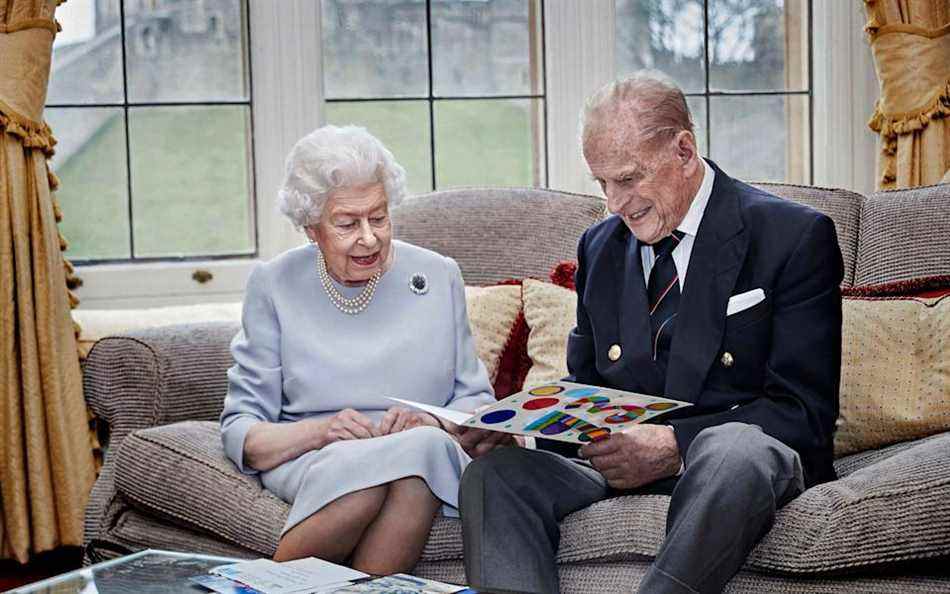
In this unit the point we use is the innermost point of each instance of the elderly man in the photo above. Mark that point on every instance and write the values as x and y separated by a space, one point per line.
699 288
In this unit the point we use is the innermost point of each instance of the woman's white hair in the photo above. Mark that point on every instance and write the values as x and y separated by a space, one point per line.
330 158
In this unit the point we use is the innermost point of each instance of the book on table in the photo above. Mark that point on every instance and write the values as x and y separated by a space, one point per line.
564 411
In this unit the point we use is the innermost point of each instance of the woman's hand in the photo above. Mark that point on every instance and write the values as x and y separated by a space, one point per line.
349 424
399 419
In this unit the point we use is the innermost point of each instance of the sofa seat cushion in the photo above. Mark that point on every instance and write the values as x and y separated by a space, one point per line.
888 508
179 472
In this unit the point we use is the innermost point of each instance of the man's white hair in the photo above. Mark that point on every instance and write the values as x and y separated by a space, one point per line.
330 158
651 98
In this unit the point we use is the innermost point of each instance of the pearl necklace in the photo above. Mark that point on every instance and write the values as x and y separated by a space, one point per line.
348 306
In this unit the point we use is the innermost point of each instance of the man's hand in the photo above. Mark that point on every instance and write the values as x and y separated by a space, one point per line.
478 442
635 457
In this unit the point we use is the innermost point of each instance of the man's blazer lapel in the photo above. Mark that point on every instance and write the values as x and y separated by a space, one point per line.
633 318
714 266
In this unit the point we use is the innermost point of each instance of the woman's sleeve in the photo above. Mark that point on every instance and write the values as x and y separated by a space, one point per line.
255 380
472 385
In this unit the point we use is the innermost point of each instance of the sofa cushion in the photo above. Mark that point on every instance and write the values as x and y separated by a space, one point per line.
904 234
550 312
887 508
492 312
895 371
498 233
180 473
842 206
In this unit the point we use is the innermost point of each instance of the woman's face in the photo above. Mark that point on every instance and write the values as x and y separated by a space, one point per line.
355 233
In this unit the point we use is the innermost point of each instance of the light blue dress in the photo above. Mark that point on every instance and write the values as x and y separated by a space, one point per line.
299 357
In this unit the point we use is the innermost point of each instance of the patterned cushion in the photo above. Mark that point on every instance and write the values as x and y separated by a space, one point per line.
895 371
492 312
904 234
550 311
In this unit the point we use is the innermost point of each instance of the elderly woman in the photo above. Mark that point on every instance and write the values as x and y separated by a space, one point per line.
330 330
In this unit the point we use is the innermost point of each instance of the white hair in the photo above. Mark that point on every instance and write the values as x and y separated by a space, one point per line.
330 158
652 98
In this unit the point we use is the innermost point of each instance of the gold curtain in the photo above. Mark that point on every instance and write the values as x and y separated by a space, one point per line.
910 40
46 465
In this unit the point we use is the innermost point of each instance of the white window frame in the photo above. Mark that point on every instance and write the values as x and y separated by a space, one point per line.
287 103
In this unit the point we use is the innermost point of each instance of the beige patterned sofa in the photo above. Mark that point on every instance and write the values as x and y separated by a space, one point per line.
884 526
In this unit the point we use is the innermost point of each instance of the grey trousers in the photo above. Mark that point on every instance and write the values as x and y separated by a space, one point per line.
736 477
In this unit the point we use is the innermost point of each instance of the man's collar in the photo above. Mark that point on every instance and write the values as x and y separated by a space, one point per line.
694 216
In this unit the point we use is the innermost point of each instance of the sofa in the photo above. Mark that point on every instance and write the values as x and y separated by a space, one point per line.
883 526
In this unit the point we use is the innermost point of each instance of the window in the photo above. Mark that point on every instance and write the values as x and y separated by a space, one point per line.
150 101
455 88
744 66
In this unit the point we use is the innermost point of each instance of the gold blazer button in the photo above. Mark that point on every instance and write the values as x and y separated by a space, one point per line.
614 352
727 359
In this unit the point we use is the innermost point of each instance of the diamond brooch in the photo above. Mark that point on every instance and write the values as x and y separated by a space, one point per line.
419 284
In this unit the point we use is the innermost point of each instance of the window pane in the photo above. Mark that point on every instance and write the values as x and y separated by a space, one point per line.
191 188
665 35
486 48
489 142
403 126
87 54
759 45
763 138
697 108
192 50
90 163
374 48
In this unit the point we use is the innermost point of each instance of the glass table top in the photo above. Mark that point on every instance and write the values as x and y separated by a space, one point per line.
146 572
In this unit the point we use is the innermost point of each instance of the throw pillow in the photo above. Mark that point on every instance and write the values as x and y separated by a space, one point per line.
895 371
550 312
492 312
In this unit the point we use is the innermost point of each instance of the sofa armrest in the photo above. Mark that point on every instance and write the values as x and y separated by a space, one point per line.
158 376
144 379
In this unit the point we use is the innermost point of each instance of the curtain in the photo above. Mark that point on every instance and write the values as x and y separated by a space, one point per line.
46 465
910 40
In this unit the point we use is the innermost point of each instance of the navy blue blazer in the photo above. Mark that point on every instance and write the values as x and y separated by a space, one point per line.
786 350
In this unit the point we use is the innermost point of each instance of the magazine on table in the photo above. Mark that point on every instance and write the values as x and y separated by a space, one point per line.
564 411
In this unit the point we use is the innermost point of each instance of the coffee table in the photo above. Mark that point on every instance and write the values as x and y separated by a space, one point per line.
150 571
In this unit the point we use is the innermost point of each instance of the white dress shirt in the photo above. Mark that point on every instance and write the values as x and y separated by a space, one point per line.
689 226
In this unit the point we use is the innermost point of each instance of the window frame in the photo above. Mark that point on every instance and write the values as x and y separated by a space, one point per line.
287 102
431 98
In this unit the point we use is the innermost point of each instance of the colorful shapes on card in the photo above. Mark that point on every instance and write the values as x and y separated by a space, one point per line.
589 400
595 435
546 390
539 403
497 416
661 406
558 422
578 392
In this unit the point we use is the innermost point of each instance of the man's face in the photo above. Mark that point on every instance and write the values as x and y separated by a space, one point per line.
646 184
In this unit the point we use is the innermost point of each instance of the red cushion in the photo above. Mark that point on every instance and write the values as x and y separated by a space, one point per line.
514 363
925 286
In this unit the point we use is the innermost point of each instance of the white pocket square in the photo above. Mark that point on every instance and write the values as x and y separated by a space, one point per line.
744 301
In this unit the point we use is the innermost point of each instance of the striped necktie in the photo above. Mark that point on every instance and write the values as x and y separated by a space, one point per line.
663 296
